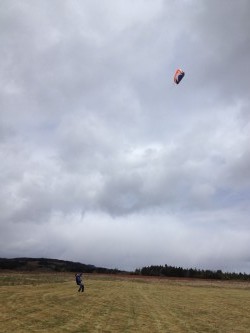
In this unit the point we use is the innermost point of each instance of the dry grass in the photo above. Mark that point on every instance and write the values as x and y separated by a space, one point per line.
50 303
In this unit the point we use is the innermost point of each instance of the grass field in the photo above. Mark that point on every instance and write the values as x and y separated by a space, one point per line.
50 303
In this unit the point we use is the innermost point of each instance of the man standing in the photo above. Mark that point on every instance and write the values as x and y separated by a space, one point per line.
79 282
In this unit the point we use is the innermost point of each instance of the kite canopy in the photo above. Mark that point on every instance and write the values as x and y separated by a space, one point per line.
178 76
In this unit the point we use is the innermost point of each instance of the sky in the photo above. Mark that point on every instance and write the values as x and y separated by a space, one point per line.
103 159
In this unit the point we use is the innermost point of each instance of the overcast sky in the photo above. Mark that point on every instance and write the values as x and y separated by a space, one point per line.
103 159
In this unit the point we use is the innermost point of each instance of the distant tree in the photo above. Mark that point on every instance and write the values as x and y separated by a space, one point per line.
171 271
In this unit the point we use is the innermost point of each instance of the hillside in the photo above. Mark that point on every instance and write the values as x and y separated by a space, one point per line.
47 265
56 265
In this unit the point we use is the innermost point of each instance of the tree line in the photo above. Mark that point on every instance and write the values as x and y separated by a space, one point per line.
171 271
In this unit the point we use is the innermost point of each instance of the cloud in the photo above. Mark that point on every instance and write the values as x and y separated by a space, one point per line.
103 159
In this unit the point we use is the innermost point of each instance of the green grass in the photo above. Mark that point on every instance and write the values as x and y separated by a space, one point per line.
50 303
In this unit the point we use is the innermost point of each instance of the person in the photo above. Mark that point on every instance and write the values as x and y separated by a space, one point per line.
79 282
